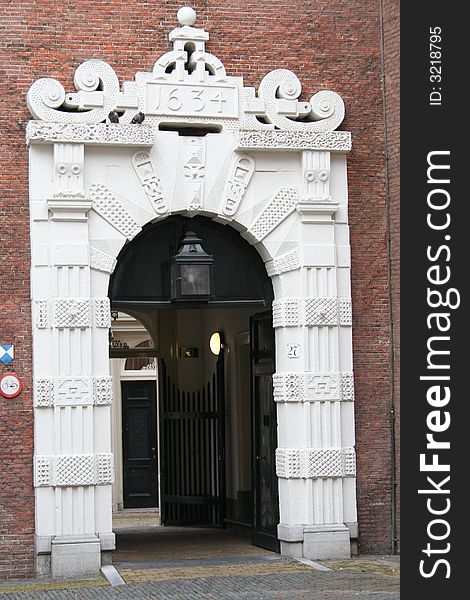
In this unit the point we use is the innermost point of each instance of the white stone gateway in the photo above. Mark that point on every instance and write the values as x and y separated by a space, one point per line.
280 181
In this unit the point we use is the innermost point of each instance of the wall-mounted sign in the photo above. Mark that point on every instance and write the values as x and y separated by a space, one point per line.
10 385
6 353
189 353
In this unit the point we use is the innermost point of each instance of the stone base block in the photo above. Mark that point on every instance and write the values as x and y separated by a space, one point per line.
43 566
292 549
290 533
326 541
75 556
315 542
108 541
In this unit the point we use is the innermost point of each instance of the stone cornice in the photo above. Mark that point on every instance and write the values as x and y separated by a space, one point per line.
334 141
42 132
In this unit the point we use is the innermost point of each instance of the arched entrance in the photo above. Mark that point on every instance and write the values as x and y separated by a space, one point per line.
217 431
264 163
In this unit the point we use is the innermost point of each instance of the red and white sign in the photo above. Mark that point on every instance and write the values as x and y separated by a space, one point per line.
10 385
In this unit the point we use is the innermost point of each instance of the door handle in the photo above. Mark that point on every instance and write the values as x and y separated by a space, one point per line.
261 458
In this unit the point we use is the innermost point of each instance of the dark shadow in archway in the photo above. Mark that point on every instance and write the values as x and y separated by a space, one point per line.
141 285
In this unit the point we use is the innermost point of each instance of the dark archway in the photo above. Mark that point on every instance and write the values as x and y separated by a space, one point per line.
142 275
193 385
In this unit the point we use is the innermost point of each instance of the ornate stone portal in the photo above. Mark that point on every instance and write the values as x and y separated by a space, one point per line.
271 166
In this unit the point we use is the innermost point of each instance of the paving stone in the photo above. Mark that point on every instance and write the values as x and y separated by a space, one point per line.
281 580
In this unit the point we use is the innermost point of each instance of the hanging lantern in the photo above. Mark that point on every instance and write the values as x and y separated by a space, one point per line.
191 271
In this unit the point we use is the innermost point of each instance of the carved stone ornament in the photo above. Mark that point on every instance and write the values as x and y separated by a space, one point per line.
72 313
101 261
65 470
191 88
150 181
283 264
313 387
314 463
312 312
106 204
281 205
40 132
335 141
72 391
235 188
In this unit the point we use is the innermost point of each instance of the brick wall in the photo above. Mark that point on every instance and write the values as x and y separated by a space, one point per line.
330 44
391 29
16 415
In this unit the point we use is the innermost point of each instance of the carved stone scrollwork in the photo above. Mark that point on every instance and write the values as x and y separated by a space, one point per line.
191 88
280 89
98 93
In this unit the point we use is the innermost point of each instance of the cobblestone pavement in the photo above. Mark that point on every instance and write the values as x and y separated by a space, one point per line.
209 564
233 578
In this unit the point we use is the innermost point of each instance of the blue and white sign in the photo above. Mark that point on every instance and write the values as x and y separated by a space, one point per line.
6 353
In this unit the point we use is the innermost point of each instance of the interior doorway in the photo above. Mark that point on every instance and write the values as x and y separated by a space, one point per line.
214 412
139 444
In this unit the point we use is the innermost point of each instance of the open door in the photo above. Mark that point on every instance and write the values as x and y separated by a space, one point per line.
264 427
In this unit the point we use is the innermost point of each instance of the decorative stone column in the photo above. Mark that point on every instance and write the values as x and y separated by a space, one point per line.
73 469
313 385
73 464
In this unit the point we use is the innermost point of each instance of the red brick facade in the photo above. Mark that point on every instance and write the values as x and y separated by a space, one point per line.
329 44
391 29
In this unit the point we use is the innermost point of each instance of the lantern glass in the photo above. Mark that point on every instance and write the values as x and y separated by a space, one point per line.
195 280
191 271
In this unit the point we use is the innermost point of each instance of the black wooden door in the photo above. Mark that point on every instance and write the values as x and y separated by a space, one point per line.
139 444
265 488
192 442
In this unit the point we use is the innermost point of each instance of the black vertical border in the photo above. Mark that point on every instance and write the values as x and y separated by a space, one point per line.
426 128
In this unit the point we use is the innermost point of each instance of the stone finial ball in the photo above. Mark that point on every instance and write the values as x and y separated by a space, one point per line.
187 16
